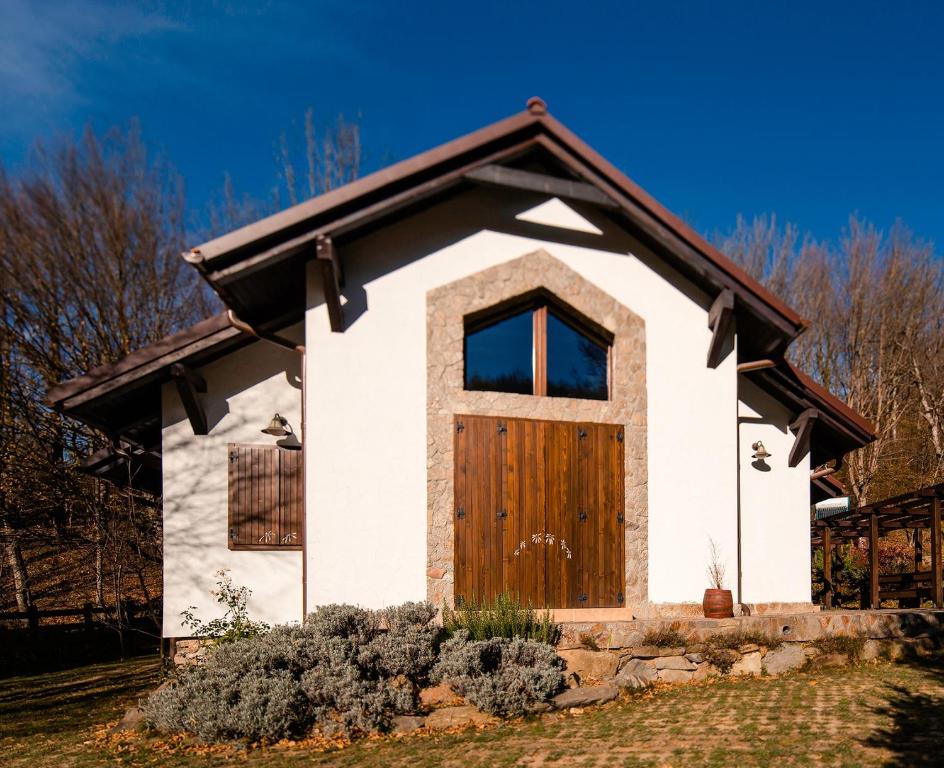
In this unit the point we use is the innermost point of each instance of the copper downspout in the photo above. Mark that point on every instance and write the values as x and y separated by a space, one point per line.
281 341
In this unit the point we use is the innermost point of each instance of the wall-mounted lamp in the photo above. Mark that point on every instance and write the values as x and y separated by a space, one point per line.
760 453
278 427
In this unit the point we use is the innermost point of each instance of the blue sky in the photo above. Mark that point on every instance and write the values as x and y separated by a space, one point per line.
809 110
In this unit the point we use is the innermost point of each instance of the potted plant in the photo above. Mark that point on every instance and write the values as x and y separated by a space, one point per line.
717 603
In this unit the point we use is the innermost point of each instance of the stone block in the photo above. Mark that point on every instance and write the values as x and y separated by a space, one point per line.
705 671
676 675
407 723
585 696
456 717
636 674
591 665
748 648
871 649
748 664
675 662
655 651
624 637
439 696
695 658
131 721
787 657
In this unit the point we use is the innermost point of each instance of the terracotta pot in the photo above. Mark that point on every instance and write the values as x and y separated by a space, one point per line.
718 604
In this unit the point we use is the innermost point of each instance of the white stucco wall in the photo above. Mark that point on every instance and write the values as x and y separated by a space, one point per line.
775 505
366 463
244 389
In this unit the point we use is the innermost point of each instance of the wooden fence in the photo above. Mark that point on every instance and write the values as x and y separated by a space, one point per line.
29 640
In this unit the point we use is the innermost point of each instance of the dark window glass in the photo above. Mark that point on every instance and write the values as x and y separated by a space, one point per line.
498 357
576 365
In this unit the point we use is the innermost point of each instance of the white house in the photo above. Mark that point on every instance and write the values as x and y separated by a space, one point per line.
498 365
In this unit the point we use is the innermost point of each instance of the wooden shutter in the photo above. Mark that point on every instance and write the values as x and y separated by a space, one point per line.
478 525
539 511
599 540
266 497
560 449
523 491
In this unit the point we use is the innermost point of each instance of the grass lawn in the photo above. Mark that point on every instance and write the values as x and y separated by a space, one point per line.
871 715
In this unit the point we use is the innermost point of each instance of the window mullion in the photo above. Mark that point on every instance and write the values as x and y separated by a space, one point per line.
540 351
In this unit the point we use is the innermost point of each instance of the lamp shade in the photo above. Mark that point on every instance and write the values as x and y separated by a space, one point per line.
278 427
760 453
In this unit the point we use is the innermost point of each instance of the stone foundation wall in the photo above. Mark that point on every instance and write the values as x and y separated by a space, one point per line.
190 651
622 653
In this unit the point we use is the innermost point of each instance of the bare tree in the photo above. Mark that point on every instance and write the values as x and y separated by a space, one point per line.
874 300
90 236
308 162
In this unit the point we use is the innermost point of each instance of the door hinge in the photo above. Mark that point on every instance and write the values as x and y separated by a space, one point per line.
620 518
502 429
581 433
460 513
582 516
619 436
233 537
582 598
619 598
459 426
233 457
501 514
459 601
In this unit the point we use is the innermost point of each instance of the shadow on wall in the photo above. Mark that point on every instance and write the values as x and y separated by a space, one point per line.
470 213
759 403
195 511
915 730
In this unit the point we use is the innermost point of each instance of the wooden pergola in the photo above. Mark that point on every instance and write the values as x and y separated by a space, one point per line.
917 510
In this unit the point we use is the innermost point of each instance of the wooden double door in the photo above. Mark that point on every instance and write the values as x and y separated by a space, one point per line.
539 512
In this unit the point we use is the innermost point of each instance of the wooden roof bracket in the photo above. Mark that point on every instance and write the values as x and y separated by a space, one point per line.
720 320
331 280
803 429
190 385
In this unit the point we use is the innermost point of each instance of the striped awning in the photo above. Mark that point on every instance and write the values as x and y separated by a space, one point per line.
830 507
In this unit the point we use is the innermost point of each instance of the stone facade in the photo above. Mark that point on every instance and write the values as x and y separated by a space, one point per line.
446 308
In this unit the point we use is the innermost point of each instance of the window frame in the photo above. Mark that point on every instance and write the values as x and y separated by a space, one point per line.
539 303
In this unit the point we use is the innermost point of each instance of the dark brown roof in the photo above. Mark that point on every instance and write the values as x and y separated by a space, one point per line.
817 391
220 260
124 398
258 270
839 428
206 333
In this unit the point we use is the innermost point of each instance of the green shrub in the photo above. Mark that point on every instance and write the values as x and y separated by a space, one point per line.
666 637
850 645
503 617
500 676
235 623
344 669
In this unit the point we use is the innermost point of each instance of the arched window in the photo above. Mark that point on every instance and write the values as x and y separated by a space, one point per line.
537 346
